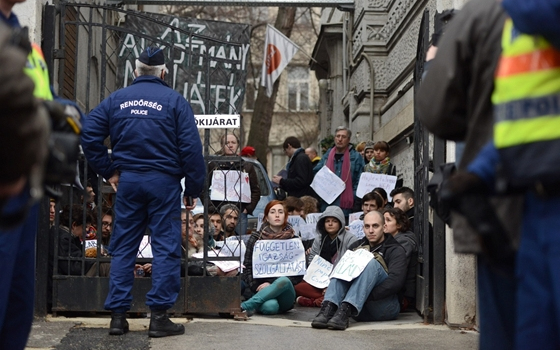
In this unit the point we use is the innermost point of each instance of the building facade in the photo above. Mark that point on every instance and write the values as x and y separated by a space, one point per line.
364 60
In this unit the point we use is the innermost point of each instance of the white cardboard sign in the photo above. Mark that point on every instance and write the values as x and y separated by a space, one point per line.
318 272
352 264
327 185
145 250
224 265
369 181
278 257
356 228
230 186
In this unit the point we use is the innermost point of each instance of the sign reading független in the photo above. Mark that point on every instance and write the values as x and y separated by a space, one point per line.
278 257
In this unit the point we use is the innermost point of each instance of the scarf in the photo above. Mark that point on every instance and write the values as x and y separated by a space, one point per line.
286 233
347 196
292 158
376 167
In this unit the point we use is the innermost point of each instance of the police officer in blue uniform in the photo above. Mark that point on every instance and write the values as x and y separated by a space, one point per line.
155 142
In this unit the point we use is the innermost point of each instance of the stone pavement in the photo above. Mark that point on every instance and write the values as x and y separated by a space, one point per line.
289 331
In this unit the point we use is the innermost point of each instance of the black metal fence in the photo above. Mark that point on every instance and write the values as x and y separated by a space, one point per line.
87 52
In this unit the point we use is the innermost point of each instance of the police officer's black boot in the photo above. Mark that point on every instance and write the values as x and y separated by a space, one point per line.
341 318
328 309
162 326
119 324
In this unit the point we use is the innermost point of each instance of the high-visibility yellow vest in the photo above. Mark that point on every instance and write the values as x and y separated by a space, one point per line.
526 102
36 68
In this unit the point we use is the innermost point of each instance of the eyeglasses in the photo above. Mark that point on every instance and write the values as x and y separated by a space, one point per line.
106 224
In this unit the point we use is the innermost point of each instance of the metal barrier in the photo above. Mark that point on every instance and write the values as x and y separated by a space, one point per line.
71 272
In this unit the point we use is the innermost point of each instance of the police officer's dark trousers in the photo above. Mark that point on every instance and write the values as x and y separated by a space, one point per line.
17 280
146 200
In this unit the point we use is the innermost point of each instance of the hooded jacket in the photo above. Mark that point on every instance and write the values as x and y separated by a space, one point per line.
345 238
395 259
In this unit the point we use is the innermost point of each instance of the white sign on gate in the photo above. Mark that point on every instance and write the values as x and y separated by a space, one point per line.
278 257
230 186
352 264
318 272
369 181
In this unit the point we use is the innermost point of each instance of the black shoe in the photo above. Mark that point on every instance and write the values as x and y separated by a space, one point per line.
328 309
119 324
162 326
341 318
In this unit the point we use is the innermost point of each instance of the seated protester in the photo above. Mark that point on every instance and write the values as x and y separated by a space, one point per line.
273 295
293 205
370 202
310 205
331 245
70 240
381 163
397 225
403 198
52 212
216 221
199 230
106 226
373 295
380 191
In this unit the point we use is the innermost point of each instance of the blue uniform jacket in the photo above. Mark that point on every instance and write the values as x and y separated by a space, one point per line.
152 129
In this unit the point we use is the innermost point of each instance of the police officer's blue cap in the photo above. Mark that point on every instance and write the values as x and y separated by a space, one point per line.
152 56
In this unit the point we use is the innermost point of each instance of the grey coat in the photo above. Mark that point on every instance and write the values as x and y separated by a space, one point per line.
454 103
346 238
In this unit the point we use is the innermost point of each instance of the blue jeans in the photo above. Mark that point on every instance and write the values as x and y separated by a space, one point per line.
538 275
277 298
17 280
496 300
356 293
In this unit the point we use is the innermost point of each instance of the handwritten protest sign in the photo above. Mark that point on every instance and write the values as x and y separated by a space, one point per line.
145 250
369 181
296 221
355 216
327 185
313 218
278 257
352 264
356 228
230 186
318 272
224 265
308 231
91 243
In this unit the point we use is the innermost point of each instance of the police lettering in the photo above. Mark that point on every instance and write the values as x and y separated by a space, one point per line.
139 111
141 103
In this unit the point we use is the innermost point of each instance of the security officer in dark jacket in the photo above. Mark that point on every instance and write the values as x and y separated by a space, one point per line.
299 168
155 143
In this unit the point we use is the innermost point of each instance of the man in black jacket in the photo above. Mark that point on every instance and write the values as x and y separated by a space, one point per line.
372 296
299 168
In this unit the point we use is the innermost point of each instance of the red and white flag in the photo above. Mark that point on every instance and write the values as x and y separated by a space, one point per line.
278 52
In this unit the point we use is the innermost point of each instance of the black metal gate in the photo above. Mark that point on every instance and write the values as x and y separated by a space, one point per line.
84 67
428 151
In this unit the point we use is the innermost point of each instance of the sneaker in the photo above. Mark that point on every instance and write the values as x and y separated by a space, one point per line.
304 301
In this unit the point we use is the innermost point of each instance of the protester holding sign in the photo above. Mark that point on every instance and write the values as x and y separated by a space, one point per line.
274 295
372 296
230 147
331 245
344 161
398 226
